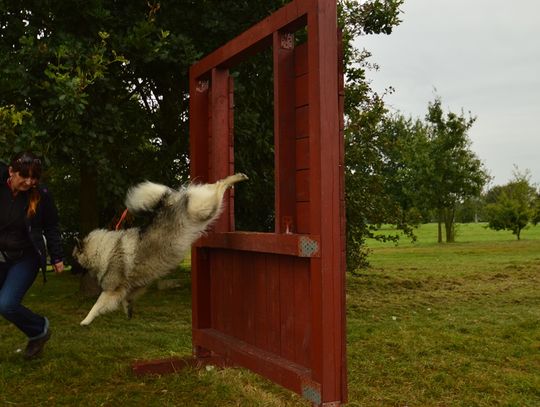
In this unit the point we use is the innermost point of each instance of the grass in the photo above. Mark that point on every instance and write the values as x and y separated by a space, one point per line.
447 325
427 325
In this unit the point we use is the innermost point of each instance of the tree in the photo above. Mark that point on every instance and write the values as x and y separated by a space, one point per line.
101 90
452 172
513 205
367 203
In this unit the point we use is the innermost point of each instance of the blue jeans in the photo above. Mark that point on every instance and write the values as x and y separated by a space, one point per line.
15 280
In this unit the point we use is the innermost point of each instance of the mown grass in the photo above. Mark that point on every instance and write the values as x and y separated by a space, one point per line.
427 325
447 325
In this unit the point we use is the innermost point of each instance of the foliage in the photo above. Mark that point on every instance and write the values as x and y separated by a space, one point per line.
470 210
453 172
105 86
513 205
399 170
254 142
103 92
365 184
374 178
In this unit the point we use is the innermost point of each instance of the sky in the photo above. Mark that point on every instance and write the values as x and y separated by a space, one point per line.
478 56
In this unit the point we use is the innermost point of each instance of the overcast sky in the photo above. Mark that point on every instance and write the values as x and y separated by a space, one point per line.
481 56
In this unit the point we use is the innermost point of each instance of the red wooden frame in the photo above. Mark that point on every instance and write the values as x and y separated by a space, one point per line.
275 302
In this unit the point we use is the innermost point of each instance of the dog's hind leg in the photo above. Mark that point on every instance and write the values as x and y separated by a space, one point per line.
108 301
127 303
205 200
228 182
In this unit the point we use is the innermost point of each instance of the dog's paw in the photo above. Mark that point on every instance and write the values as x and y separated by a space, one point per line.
241 176
233 179
84 322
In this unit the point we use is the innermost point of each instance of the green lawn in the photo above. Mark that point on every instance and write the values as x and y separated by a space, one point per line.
447 325
427 325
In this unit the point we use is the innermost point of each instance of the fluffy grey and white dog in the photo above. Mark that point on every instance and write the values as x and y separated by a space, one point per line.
126 261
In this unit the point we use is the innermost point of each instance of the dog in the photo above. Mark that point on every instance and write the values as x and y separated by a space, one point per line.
125 262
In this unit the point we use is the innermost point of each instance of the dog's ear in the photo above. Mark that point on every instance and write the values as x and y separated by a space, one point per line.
78 243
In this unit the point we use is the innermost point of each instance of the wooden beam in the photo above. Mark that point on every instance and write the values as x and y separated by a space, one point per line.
291 245
290 17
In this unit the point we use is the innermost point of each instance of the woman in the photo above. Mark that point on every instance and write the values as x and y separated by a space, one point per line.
27 213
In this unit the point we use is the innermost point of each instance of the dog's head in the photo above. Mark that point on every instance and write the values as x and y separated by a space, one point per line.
77 268
78 258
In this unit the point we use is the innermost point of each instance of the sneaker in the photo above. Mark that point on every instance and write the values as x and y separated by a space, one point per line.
35 346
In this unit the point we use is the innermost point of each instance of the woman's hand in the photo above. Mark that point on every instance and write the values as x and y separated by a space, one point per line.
58 267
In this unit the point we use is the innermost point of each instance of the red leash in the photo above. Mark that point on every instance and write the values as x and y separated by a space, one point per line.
122 218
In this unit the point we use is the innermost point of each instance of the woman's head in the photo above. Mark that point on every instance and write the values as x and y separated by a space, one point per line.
27 165
24 174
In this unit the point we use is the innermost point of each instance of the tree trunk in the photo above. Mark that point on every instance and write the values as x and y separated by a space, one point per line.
449 225
439 226
89 220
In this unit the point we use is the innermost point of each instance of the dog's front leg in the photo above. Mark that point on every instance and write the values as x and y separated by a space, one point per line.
108 301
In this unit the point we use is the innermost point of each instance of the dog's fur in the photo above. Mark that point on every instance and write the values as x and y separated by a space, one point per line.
126 261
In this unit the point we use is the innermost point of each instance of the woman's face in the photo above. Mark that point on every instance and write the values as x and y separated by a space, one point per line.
20 183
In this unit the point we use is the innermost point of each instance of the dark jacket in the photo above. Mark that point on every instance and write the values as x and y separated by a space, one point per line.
43 223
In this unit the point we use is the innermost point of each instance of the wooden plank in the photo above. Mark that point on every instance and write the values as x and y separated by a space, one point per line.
302 122
220 139
302 92
260 304
302 154
302 185
324 130
318 345
286 302
200 287
300 62
284 132
273 307
287 244
222 290
303 217
249 294
238 310
290 18
217 299
230 155
199 151
198 128
267 364
227 285
302 313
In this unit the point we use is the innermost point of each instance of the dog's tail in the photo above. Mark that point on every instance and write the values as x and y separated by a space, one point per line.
146 196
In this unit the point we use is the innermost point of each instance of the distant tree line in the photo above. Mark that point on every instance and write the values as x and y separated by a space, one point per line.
512 206
424 170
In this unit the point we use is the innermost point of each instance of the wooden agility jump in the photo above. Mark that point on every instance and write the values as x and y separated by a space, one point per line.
275 302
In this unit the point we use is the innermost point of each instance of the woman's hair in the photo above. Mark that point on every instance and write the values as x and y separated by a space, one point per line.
28 166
